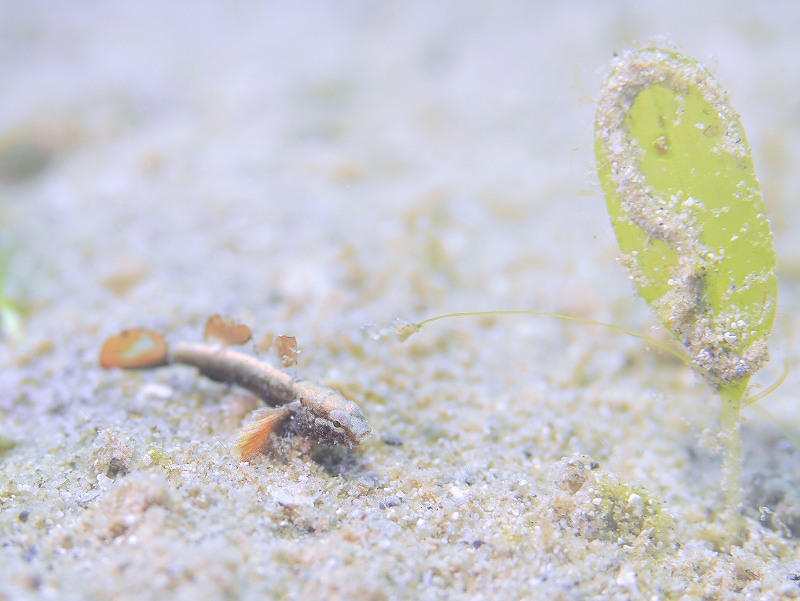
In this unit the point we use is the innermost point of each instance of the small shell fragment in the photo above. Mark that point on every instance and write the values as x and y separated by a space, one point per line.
403 329
286 349
138 348
227 331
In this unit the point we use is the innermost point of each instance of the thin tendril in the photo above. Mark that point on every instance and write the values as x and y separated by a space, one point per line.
663 346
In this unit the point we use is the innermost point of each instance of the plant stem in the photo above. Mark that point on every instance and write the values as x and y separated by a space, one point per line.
732 461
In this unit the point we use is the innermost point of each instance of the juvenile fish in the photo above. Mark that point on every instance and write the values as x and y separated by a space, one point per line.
310 409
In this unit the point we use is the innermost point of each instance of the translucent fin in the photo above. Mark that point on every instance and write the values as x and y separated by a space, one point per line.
255 438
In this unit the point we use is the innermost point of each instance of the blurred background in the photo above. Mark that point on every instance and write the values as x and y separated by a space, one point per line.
356 160
317 169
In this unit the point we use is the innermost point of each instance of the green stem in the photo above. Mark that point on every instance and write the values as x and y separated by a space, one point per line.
730 434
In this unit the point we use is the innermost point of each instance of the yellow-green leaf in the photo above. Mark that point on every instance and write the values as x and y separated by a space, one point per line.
687 210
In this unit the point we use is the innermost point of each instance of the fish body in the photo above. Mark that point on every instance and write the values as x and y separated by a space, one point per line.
311 410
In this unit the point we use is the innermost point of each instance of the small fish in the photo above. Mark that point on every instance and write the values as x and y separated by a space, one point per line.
315 411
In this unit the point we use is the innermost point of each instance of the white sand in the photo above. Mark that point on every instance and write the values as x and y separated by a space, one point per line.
311 170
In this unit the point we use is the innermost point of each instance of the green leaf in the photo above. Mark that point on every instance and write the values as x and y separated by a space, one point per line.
10 319
687 210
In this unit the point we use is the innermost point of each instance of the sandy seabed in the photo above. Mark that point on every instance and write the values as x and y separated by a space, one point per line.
318 171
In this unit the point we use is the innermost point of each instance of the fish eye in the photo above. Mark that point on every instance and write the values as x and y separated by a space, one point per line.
337 424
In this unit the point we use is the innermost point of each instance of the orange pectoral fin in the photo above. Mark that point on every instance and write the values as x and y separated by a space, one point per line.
254 438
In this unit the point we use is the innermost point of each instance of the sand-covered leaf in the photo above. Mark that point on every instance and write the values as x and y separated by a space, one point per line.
687 210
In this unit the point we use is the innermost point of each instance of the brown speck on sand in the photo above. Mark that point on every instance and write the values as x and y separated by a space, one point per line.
226 330
137 348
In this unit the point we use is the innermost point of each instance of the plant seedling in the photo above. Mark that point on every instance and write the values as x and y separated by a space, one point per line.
686 207
687 210
313 410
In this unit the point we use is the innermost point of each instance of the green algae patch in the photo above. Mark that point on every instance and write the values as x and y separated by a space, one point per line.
630 512
595 505
687 210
